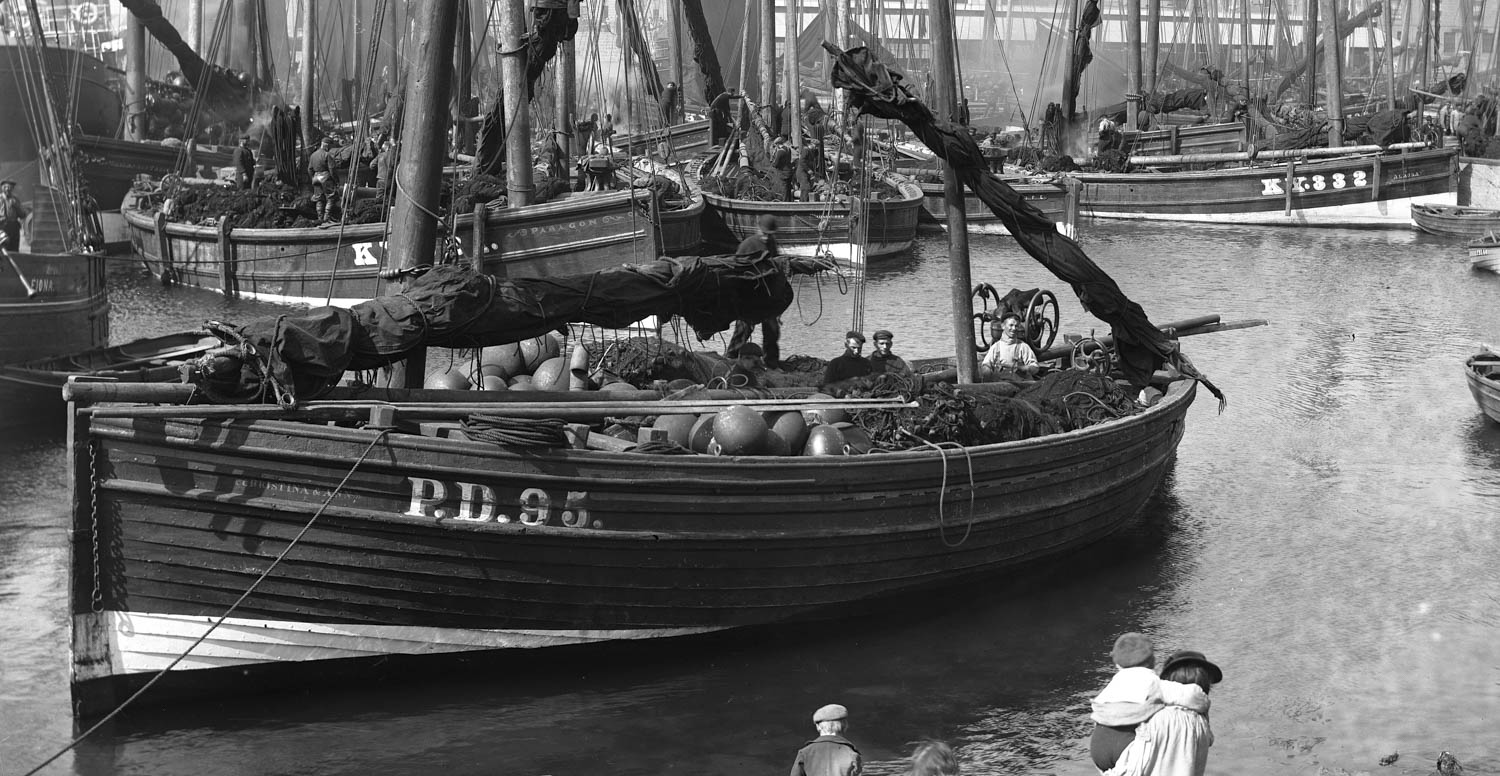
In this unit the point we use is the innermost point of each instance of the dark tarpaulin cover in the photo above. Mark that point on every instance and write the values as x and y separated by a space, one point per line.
1142 348
450 306
230 102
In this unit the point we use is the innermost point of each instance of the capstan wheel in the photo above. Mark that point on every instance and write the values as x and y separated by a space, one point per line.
1091 355
1041 320
989 300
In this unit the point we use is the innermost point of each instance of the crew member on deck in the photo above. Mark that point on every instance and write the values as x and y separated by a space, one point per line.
320 166
762 243
12 214
747 365
847 366
1009 352
244 164
883 361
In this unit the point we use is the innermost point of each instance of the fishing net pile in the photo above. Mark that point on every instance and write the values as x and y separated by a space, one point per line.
1005 412
269 206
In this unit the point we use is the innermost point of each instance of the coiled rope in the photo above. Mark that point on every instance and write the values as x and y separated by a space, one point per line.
516 432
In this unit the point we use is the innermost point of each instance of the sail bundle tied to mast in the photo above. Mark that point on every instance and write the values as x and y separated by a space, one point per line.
876 90
294 357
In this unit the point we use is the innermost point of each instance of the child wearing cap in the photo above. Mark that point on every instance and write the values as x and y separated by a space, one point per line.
1133 695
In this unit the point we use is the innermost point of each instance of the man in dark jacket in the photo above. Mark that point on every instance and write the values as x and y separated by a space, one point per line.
830 754
883 360
849 365
762 243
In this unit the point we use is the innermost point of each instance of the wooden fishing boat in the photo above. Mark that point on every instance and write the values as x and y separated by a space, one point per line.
1454 220
1054 199
81 87
109 164
807 228
677 223
31 391
1483 374
340 266
1484 253
443 545
686 140
1368 189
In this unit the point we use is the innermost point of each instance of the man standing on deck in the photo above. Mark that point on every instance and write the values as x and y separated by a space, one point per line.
12 215
320 167
830 754
760 244
244 164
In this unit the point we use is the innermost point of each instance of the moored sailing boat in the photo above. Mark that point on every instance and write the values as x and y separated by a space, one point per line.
408 534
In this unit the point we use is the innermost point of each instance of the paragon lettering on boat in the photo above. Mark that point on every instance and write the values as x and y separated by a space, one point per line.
478 503
1302 184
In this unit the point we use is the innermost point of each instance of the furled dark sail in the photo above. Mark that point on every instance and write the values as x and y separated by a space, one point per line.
229 101
874 89
298 356
1083 53
708 65
1344 27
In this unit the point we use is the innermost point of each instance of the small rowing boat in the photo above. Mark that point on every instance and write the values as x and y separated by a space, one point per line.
1483 373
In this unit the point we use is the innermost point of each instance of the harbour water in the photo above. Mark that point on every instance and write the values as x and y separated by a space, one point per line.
1328 540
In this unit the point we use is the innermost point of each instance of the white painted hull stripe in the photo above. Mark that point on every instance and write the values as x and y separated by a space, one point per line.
1388 213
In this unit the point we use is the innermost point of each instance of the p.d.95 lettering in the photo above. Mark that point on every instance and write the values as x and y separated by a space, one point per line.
476 503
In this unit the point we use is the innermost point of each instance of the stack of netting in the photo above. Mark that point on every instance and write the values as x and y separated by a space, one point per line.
1058 402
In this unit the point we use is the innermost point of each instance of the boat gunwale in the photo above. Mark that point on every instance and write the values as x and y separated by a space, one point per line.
1304 165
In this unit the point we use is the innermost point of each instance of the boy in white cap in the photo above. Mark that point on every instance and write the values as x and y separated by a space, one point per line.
1133 695
830 754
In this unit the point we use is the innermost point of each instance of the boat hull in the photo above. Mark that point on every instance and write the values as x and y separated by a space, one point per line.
68 313
445 546
1051 199
33 389
680 232
340 265
1483 374
1455 221
809 228
109 165
80 88
1363 191
1484 254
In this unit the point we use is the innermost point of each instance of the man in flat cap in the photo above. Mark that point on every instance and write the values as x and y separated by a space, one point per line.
848 366
883 361
830 754
12 214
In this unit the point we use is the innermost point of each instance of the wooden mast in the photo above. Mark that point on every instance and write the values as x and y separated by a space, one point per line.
674 58
794 92
1390 61
1132 64
308 95
463 76
1245 46
517 127
1310 41
1153 47
565 104
414 228
1332 65
768 58
135 78
1070 79
195 24
940 15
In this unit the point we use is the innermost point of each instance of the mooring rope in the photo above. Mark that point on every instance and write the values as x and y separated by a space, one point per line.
943 490
232 607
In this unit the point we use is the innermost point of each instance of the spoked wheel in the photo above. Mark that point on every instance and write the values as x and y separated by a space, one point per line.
1091 355
1041 320
989 300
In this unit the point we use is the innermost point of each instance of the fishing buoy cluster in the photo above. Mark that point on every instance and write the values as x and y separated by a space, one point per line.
536 364
739 430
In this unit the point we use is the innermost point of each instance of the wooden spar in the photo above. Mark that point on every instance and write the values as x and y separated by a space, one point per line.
794 94
195 25
674 61
1132 64
309 93
959 280
463 76
1179 331
356 36
566 99
1332 74
135 78
1245 47
419 181
592 412
1284 153
517 110
1310 43
768 58
1153 47
1390 60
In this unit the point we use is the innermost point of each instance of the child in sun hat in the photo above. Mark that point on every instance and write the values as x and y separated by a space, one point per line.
1132 695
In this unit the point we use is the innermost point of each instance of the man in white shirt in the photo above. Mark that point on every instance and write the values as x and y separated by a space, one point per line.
1009 353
